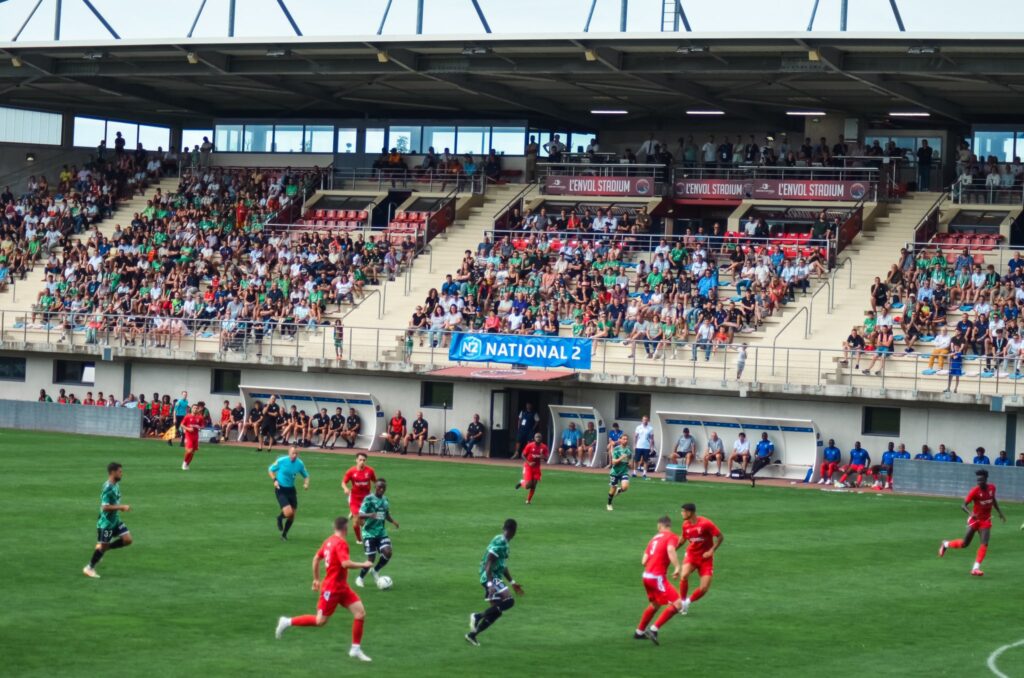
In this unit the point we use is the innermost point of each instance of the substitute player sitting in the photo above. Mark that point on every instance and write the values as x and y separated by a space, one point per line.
704 538
983 497
715 450
375 511
740 453
334 590
659 554
418 434
860 463
831 458
535 453
884 468
570 446
685 449
396 434
588 446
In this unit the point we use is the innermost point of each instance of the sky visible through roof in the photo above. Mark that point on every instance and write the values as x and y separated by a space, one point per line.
171 19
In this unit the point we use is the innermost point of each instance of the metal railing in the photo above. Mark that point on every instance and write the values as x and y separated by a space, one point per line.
983 194
1002 253
384 179
517 201
928 225
812 172
401 350
654 171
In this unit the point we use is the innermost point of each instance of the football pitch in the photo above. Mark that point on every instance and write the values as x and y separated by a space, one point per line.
806 582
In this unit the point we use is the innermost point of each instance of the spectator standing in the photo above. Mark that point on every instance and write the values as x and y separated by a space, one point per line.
532 149
205 151
924 166
527 422
643 443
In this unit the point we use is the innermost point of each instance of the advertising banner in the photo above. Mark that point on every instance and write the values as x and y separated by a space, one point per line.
556 184
531 350
769 189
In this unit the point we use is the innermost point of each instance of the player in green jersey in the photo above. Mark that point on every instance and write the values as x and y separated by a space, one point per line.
493 575
373 513
111 533
618 476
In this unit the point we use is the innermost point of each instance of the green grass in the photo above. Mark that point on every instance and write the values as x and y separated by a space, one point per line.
806 583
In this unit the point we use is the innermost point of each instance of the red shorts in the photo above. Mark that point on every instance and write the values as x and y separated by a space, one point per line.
329 600
829 467
856 468
531 473
354 506
705 566
660 590
191 442
976 523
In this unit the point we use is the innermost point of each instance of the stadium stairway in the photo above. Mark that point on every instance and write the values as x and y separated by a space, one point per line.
23 295
429 269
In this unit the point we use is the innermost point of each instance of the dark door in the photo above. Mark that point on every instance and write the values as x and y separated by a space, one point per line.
516 400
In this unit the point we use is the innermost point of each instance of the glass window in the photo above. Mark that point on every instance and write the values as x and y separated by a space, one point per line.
508 140
74 372
474 140
438 394
12 368
405 138
580 141
632 405
228 138
999 144
440 138
29 127
319 139
89 132
1020 145
347 137
225 381
194 137
258 138
373 140
288 138
881 421
152 137
541 138
129 131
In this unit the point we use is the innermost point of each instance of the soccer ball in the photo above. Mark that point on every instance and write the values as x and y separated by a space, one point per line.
384 583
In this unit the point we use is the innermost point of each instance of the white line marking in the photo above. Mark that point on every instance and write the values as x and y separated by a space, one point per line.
995 655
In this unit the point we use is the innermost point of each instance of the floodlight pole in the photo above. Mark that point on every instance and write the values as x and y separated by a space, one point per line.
844 9
419 17
231 18
56 21
623 14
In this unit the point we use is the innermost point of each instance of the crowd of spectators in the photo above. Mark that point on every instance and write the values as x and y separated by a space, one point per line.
985 173
200 261
662 296
919 294
446 167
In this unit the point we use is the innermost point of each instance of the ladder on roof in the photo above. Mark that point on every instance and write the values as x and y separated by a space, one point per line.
672 15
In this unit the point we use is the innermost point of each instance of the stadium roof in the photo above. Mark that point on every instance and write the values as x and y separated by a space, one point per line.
656 77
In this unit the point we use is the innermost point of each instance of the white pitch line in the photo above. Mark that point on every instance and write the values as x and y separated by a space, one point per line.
995 655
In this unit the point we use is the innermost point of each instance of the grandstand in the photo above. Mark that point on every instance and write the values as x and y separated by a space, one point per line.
716 237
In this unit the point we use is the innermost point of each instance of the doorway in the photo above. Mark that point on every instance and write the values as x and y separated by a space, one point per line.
505 410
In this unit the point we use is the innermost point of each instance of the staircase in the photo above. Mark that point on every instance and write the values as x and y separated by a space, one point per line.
24 294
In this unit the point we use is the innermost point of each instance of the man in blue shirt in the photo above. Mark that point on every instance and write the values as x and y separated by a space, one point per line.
860 463
942 455
614 433
831 457
979 456
762 456
925 454
570 445
1003 459
283 472
885 467
181 408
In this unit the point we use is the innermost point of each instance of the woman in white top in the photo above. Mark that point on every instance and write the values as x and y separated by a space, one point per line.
436 331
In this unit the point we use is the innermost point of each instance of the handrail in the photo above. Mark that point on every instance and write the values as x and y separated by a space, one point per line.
810 302
931 213
519 197
834 273
807 331
366 295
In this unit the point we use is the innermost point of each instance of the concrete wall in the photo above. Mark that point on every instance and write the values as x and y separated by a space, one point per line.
958 427
15 170
36 416
955 480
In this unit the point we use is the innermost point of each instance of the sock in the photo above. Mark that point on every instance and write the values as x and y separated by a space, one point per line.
363 572
611 496
97 555
669 612
188 457
646 618
860 478
955 544
280 522
697 595
488 617
304 620
982 550
684 586
357 631
359 533
843 478
384 560
117 545
529 497
287 526
519 484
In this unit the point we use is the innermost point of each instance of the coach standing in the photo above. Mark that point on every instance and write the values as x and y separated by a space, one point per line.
643 443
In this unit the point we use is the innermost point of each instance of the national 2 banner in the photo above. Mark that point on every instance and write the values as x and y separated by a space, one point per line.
531 350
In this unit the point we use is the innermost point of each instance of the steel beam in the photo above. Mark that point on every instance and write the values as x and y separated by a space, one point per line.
896 14
231 18
483 19
202 6
56 20
27 19
814 13
590 16
419 17
623 15
288 15
384 18
681 16
101 19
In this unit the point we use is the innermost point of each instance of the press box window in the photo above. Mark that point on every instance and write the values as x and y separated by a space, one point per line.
881 421
632 405
12 369
226 382
437 394
74 372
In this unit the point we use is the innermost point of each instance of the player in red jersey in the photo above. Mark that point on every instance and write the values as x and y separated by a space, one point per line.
705 538
190 425
660 552
983 496
334 589
357 484
534 454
